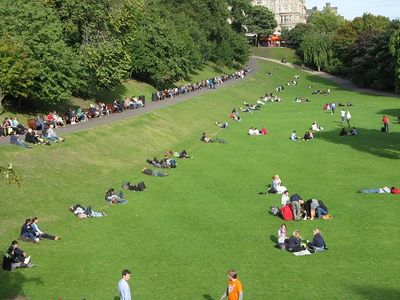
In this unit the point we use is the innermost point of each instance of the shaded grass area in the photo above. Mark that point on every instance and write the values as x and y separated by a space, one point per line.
277 53
181 235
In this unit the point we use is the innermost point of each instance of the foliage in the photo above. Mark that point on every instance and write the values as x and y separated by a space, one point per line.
8 173
317 49
395 51
326 21
261 20
53 70
239 10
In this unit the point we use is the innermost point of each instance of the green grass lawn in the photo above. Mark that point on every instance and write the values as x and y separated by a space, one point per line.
278 53
180 236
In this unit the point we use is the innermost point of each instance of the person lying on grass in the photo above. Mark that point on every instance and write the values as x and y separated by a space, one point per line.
40 234
112 197
252 106
222 125
15 257
183 154
154 173
315 208
139 187
14 140
385 189
85 212
301 99
343 132
234 115
205 139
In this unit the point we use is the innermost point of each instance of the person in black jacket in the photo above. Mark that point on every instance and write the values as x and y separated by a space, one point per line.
294 243
318 242
16 258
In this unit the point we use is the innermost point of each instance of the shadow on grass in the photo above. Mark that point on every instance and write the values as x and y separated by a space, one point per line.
371 292
11 284
208 297
109 96
273 238
371 141
394 112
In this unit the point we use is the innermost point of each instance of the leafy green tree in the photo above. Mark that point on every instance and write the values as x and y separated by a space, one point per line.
326 21
317 49
239 9
261 20
395 51
53 69
370 22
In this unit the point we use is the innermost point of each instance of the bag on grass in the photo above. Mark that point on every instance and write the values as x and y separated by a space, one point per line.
274 210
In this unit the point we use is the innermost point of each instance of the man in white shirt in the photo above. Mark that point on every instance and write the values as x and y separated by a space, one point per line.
123 286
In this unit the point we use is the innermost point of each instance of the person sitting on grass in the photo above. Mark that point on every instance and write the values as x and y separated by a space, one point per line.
140 187
294 242
315 208
282 237
40 234
51 135
276 186
28 233
15 258
33 137
85 212
308 136
234 115
353 131
114 198
343 132
318 243
154 173
316 127
222 125
14 140
294 136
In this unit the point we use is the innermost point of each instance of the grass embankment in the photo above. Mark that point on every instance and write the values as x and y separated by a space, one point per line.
182 234
277 53
128 88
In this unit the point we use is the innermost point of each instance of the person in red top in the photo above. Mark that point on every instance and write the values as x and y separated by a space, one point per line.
234 290
385 121
394 190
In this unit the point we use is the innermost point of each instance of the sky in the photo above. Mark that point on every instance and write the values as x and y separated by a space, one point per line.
355 8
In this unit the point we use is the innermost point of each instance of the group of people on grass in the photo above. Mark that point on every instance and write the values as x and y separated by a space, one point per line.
295 243
15 257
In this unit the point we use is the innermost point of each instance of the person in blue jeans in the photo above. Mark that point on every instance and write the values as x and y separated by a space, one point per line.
112 197
15 141
318 243
27 232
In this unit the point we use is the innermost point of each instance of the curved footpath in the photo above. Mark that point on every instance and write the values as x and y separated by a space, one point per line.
151 106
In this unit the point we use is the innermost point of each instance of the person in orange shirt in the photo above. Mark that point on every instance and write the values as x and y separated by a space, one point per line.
234 291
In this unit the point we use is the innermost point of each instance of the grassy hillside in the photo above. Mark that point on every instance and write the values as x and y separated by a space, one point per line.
278 53
182 234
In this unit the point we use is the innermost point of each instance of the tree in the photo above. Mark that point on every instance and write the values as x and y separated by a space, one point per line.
317 49
370 22
326 21
53 69
395 51
261 20
239 9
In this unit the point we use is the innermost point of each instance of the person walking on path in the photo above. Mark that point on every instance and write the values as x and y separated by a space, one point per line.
234 290
385 121
123 286
348 118
343 115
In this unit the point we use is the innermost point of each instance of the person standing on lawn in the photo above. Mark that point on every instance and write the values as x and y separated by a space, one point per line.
234 290
123 286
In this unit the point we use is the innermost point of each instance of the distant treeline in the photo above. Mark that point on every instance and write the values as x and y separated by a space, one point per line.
365 50
52 49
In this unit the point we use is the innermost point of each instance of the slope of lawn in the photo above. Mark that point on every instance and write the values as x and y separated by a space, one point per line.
277 53
181 235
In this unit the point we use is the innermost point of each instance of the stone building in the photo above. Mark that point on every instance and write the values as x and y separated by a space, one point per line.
310 11
288 13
